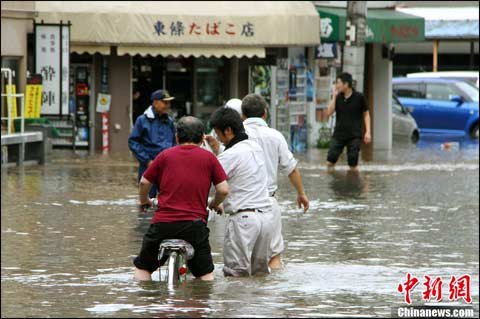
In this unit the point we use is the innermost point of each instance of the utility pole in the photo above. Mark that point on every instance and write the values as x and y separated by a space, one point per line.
354 52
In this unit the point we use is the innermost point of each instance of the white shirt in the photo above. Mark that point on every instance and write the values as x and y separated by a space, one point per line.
275 147
244 164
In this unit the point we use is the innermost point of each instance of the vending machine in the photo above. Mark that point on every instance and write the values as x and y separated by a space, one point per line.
284 87
81 104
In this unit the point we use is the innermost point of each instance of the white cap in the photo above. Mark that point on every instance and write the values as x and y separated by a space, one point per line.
235 104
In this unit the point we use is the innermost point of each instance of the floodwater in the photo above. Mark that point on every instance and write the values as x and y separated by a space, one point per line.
70 230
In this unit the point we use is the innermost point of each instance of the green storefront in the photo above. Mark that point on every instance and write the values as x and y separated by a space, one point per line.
383 26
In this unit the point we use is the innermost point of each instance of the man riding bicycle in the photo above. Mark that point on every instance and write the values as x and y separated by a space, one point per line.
184 174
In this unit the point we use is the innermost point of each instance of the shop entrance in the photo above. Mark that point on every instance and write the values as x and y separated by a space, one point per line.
199 85
154 73
179 83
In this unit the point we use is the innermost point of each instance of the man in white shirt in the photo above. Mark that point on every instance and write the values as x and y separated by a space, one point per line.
277 156
235 104
249 228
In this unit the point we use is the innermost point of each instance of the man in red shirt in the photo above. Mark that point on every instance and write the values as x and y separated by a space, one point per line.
184 174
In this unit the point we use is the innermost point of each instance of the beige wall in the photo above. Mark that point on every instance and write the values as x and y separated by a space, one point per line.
119 84
18 7
120 79
16 22
14 36
14 44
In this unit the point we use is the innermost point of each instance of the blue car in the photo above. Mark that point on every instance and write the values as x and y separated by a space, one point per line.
440 106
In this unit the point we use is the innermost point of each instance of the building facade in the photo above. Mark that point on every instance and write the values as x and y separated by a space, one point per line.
16 25
203 57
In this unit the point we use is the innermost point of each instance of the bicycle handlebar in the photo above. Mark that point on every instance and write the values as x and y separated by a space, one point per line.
146 208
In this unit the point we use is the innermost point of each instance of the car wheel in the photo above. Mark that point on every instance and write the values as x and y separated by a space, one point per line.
415 137
474 132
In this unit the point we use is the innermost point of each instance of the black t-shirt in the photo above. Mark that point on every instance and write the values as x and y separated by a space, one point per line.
349 123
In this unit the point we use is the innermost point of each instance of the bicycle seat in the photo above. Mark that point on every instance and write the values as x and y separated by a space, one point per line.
178 244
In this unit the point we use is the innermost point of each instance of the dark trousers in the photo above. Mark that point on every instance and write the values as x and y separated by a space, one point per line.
194 232
338 144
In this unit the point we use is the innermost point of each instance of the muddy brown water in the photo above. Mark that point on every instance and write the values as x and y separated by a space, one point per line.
70 230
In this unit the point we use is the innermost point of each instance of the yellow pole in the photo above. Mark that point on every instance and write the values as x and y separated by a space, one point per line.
435 55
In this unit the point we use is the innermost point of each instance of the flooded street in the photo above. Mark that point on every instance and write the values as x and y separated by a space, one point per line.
71 228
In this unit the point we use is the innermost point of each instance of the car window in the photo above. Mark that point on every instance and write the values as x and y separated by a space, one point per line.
469 92
397 108
440 91
471 81
409 90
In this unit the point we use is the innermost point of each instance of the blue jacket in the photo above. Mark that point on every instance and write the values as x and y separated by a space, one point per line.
151 135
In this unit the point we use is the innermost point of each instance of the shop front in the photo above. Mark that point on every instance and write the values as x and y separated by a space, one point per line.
203 57
199 84
385 28
15 25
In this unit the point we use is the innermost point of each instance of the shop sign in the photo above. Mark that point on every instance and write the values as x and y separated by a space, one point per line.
383 26
326 27
327 50
52 62
33 100
196 29
65 68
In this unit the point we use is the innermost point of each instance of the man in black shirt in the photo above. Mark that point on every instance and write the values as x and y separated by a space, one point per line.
352 118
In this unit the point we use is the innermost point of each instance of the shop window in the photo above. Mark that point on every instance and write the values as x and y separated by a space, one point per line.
147 76
179 83
210 85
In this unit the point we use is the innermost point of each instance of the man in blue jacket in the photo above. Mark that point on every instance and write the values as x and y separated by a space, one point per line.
153 132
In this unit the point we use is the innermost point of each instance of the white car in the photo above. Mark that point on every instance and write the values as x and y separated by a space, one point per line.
404 125
466 76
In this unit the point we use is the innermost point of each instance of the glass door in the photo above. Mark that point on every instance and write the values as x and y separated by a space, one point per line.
210 86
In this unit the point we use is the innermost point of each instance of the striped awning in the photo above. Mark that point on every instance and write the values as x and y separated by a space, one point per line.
185 28
187 51
90 49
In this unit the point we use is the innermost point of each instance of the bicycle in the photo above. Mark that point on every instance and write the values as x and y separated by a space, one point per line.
174 252
178 252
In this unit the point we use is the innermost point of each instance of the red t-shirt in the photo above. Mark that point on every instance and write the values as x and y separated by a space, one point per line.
184 174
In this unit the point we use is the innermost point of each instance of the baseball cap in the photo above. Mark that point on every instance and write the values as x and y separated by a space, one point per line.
161 95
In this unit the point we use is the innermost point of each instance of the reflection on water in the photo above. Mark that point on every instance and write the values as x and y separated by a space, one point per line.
348 184
70 230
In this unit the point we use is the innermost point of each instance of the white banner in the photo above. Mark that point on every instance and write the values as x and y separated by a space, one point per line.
47 61
65 68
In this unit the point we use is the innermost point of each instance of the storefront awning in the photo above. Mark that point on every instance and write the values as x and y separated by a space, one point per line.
185 51
173 24
448 23
90 49
383 25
